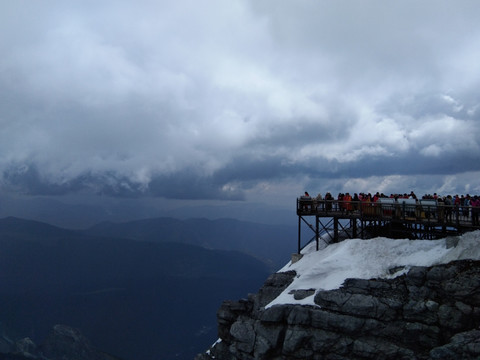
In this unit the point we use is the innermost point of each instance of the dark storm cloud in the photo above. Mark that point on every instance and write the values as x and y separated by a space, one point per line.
27 179
186 185
216 100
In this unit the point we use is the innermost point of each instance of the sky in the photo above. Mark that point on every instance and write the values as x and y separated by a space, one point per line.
328 268
241 101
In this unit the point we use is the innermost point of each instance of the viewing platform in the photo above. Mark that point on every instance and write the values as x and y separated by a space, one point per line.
401 218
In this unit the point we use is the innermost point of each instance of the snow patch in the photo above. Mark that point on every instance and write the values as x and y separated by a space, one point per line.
328 268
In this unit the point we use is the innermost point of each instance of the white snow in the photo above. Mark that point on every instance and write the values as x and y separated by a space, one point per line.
211 347
328 268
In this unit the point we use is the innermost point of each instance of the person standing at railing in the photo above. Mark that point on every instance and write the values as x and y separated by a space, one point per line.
366 204
448 202
318 203
356 201
466 206
340 205
328 201
347 198
475 202
308 201
457 204
441 208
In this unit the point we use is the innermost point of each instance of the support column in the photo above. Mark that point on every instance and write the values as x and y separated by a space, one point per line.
335 229
299 233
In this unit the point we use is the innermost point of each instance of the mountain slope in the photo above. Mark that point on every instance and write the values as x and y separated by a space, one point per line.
125 295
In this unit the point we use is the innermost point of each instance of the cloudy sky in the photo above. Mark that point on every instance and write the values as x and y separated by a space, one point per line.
238 100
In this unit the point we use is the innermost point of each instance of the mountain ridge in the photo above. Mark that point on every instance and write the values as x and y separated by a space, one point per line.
270 243
125 295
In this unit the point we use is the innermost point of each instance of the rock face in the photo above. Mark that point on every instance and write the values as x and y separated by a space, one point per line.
63 343
428 313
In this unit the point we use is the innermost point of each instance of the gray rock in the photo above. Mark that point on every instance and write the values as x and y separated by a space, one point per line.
67 343
302 293
371 348
325 342
297 342
243 334
464 345
26 347
427 313
451 241
418 311
355 304
269 339
273 287
339 323
300 315
6 345
276 313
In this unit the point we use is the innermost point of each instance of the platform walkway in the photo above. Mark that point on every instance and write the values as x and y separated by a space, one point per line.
402 218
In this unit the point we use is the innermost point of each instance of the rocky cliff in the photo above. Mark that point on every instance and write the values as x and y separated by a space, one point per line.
426 313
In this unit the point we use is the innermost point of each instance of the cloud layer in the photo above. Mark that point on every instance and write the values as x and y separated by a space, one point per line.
239 99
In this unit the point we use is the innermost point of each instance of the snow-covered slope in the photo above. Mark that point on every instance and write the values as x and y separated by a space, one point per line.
327 268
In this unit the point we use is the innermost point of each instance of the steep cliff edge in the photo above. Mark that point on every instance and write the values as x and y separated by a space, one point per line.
428 312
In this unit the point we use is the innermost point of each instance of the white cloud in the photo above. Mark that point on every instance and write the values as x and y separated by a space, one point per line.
431 150
151 88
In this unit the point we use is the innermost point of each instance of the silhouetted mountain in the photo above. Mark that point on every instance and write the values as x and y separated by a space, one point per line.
81 211
34 230
134 299
271 243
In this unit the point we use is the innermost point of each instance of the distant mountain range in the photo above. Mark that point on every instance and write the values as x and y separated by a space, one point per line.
145 290
270 243
82 211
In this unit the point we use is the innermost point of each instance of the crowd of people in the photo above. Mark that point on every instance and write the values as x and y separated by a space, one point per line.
467 206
